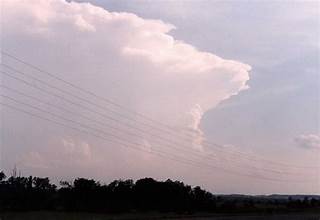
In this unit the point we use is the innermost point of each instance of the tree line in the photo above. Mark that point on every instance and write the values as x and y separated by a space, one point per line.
19 193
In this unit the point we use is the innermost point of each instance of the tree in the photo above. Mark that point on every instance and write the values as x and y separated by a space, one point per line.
42 184
2 176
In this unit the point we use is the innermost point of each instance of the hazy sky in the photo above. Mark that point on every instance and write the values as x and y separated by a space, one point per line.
243 74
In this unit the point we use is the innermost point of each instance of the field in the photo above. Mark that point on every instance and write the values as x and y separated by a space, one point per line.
74 216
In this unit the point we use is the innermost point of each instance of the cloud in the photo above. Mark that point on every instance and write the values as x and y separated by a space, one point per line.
67 152
81 150
194 127
308 141
136 62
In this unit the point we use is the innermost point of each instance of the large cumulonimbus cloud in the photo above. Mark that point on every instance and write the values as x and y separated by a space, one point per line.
131 60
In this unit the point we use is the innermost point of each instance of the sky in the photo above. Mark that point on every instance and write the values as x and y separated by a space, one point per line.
221 94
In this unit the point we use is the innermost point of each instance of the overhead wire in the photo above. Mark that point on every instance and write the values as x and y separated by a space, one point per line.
205 142
132 145
185 149
111 118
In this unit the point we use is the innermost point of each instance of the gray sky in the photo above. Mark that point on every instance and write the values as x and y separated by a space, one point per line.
275 51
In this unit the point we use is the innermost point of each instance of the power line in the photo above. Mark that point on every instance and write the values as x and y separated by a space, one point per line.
108 117
96 96
70 93
81 98
133 145
134 134
86 91
134 127
67 126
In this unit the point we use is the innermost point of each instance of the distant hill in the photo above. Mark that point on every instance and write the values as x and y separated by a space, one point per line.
272 196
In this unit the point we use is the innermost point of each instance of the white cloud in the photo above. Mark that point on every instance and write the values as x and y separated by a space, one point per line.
308 141
81 150
196 132
131 60
68 152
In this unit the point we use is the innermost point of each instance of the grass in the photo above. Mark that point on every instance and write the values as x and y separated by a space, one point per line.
148 216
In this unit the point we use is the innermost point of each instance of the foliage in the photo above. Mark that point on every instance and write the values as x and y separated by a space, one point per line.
87 195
